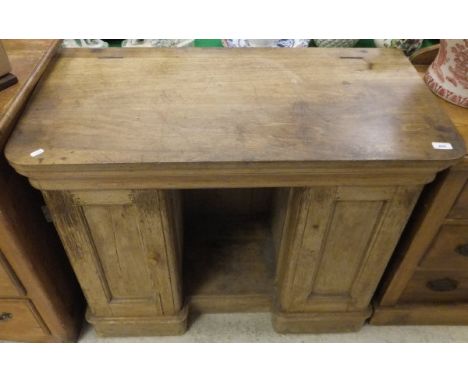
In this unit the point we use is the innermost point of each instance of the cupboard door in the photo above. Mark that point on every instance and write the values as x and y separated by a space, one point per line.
336 244
124 247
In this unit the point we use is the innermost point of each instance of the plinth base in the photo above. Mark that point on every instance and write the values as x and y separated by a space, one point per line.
415 314
139 326
323 322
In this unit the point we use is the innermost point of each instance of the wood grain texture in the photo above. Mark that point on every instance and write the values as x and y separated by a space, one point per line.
421 314
10 286
458 115
32 254
448 250
125 255
420 290
430 214
429 253
25 323
460 209
335 246
225 106
323 322
229 263
28 59
167 325
347 134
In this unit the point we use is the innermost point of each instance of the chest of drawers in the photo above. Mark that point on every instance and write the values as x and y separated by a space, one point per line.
40 299
428 281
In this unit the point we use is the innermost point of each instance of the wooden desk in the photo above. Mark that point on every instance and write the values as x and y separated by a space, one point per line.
427 282
231 180
40 299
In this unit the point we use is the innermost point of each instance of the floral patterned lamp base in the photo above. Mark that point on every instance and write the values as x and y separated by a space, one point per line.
343 43
448 74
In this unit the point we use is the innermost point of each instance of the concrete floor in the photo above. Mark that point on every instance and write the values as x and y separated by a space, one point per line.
256 327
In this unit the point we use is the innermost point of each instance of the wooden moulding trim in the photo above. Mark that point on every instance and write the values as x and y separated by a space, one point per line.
18 101
320 322
143 325
227 175
421 314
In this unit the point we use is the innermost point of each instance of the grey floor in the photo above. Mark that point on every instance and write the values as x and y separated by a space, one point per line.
256 327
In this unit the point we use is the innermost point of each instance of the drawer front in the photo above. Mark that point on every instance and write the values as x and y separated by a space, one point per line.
9 284
437 286
19 321
460 209
449 250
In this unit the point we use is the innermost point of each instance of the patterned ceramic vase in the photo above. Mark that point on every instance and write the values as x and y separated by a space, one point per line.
344 43
280 43
85 43
156 43
408 46
448 74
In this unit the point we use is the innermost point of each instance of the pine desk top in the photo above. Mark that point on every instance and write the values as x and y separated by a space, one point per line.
231 108
28 59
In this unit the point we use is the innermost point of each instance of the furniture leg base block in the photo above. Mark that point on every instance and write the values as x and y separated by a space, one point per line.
140 326
320 322
416 314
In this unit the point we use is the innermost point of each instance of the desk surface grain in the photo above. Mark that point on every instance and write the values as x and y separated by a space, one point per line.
29 59
181 107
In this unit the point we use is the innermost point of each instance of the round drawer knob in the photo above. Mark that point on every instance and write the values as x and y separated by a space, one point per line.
4 316
442 285
462 249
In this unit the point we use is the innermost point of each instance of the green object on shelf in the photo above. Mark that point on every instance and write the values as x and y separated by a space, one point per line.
204 43
114 43
365 44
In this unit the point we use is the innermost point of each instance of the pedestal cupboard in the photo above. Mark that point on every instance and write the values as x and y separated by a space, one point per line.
231 180
427 283
40 299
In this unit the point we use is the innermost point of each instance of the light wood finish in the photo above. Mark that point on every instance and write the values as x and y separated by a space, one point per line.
123 248
23 322
9 283
432 252
34 270
460 209
336 245
320 322
232 268
418 314
439 286
337 156
449 250
29 59
257 111
164 325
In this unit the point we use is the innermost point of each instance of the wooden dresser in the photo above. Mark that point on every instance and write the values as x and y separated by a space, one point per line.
231 179
427 283
40 299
